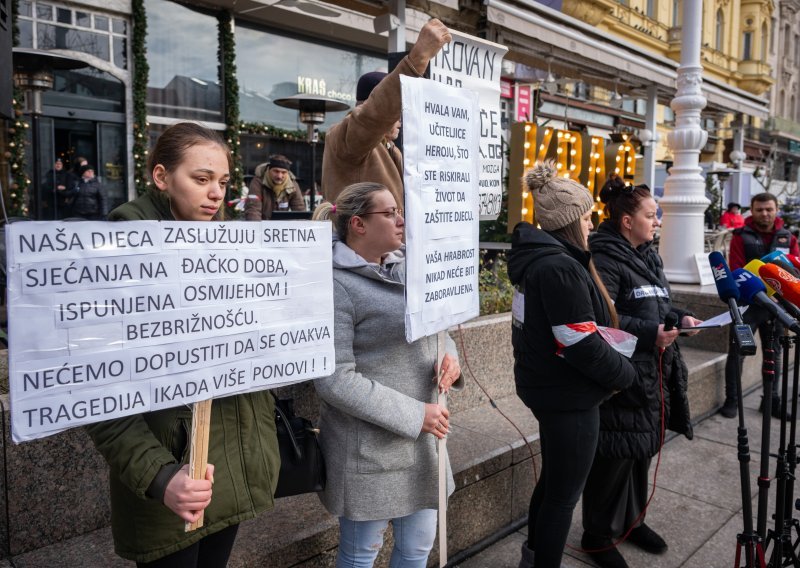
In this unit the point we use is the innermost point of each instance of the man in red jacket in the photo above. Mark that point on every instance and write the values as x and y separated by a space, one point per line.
763 232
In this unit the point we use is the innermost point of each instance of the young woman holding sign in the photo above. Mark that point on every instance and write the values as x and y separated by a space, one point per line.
152 495
379 420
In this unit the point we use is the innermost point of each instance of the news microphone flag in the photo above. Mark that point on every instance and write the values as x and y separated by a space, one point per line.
729 292
726 285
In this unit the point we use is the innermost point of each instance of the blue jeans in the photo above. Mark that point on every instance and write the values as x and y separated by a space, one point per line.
361 541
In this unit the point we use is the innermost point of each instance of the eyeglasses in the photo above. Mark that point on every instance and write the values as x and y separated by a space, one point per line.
392 213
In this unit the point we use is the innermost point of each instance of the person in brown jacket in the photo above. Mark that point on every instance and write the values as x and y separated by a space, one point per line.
275 189
361 147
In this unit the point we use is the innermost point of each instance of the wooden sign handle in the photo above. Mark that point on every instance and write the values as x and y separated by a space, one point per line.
198 449
442 447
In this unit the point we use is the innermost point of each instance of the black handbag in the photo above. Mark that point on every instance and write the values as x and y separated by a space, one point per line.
302 465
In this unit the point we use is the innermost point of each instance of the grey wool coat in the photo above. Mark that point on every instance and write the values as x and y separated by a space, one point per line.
379 464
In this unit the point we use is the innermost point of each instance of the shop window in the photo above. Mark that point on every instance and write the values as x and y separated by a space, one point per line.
304 66
88 88
182 54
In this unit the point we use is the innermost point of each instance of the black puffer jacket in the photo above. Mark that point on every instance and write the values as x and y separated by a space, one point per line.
90 200
630 423
558 290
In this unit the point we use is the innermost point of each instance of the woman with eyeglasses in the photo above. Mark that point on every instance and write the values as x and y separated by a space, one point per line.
631 427
379 416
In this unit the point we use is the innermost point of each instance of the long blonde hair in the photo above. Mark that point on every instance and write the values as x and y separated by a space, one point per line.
573 234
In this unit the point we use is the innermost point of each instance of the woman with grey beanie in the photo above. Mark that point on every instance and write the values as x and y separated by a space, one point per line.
568 356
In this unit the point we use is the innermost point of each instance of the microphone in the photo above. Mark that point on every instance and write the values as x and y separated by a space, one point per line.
784 283
773 285
779 258
670 321
794 259
753 291
753 267
729 293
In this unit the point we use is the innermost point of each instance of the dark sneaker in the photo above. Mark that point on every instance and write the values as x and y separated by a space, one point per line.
602 551
647 539
730 408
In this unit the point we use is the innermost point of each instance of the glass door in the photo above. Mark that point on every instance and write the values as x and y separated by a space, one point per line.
111 162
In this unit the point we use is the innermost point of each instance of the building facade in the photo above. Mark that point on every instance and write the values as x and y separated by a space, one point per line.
603 66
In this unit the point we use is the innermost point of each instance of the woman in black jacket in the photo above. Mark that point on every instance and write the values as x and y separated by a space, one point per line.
630 423
565 365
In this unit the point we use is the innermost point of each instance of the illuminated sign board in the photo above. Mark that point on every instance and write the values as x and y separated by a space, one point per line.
579 156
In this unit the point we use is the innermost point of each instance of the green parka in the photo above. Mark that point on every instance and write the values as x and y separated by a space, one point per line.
242 446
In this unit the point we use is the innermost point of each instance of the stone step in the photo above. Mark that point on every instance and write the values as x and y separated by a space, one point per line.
492 465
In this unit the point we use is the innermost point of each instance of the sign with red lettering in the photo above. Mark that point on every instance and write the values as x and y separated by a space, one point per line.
522 104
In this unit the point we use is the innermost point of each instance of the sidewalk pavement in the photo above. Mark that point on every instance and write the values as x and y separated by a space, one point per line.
697 506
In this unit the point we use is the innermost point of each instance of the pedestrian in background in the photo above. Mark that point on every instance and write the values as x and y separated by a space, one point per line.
566 360
273 188
89 200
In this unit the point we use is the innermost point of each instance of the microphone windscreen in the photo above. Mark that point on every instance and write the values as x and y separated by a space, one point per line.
784 283
753 267
749 285
794 259
726 285
767 258
784 263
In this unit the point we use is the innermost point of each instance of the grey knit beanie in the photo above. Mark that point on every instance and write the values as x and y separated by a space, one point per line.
558 201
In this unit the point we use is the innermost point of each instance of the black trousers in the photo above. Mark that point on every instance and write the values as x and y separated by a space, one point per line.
615 495
211 551
757 320
569 441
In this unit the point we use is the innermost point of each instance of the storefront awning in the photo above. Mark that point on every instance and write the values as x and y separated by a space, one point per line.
582 52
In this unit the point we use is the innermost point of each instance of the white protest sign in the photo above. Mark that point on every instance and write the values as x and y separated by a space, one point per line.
441 205
474 63
112 319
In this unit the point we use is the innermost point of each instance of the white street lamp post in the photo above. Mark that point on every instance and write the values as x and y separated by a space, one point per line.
684 200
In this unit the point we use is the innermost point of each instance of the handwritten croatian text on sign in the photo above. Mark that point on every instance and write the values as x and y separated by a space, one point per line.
441 126
474 63
112 319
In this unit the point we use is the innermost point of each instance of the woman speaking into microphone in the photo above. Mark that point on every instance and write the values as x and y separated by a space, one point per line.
564 362
631 432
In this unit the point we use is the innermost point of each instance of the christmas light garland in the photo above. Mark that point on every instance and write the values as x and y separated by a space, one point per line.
141 74
17 203
230 85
